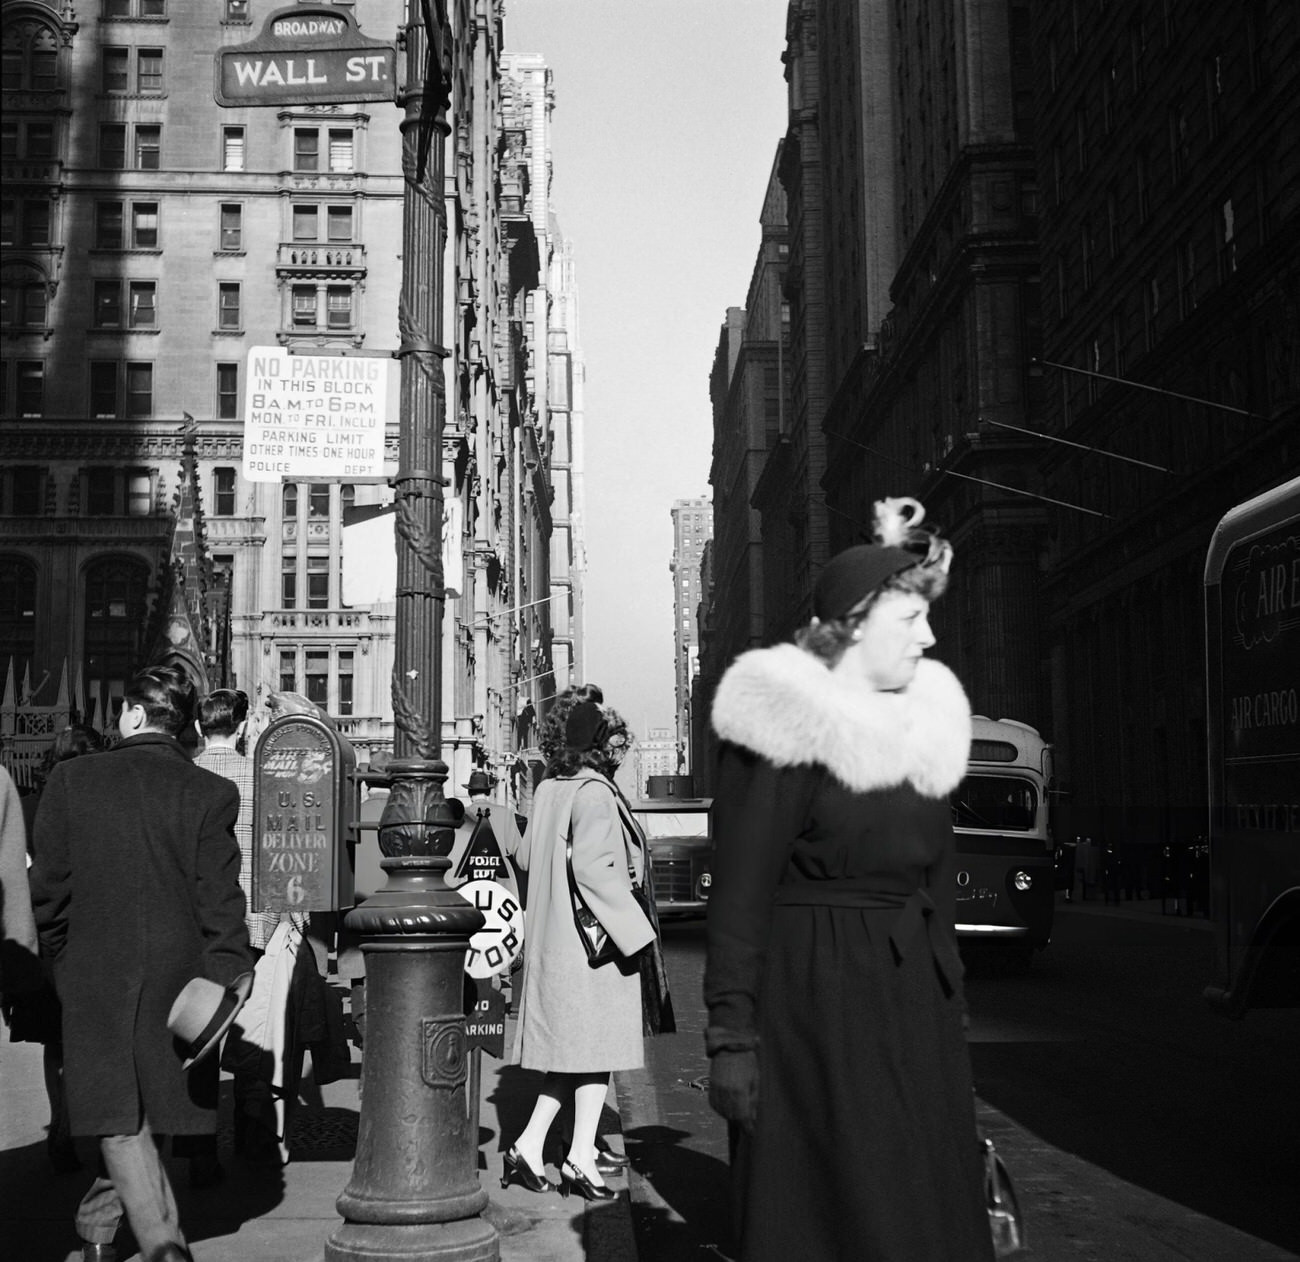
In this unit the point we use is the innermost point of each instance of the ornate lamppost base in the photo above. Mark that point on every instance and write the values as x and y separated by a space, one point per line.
470 1240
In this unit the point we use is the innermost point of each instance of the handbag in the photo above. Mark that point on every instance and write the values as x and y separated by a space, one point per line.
1006 1223
595 939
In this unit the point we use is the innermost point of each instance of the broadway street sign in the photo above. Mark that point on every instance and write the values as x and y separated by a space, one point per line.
307 55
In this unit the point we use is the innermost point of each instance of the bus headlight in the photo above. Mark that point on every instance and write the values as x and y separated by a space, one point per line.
1022 880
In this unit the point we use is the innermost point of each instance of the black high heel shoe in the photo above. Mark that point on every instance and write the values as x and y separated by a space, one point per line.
610 1162
572 1177
514 1169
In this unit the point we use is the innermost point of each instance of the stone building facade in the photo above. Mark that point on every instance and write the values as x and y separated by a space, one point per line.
1046 261
151 238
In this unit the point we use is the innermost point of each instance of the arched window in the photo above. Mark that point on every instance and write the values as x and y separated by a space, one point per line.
290 501
17 615
117 606
30 56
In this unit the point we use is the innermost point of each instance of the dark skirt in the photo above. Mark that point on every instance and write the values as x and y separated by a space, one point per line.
865 1145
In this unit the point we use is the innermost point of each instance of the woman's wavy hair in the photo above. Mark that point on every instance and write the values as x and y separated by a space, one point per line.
562 759
897 525
73 741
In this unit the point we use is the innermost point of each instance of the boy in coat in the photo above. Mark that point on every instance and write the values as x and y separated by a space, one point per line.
136 891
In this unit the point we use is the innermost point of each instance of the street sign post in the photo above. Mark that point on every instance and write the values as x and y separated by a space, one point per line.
306 55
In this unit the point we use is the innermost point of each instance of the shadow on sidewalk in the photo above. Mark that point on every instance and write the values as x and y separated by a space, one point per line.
693 1222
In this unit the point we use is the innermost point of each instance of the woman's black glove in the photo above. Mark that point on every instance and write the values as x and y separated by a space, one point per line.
733 1087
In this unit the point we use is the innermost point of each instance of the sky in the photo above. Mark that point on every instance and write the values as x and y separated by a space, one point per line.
667 117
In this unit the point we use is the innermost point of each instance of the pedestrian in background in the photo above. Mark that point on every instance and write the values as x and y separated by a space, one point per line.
20 968
222 720
833 981
135 888
577 1024
38 1017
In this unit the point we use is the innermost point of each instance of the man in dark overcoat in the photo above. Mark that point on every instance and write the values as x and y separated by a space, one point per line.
136 891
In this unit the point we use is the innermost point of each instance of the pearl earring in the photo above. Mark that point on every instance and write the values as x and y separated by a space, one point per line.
856 635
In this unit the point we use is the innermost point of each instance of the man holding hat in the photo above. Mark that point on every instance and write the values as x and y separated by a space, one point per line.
136 894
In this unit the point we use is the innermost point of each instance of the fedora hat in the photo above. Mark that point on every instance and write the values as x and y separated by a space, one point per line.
479 782
203 1012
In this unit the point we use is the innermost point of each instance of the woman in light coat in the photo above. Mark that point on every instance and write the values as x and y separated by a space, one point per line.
577 1023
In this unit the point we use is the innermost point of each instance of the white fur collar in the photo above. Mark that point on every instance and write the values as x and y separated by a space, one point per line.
784 704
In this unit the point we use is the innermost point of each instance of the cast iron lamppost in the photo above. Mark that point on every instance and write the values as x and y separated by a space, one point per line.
414 1194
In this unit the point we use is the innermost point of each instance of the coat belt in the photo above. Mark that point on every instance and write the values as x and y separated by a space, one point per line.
916 917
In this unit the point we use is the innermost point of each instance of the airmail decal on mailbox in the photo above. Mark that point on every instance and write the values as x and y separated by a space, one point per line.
306 55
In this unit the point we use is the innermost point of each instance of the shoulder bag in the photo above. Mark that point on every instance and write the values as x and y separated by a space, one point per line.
595 939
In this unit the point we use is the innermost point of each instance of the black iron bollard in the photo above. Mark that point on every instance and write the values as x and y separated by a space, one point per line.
414 1192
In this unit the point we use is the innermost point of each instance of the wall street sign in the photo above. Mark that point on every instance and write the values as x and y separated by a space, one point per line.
306 55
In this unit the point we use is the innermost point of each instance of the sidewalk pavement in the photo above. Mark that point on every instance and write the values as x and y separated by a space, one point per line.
1148 909
260 1215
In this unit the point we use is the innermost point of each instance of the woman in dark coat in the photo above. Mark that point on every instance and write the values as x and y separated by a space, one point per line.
135 889
833 981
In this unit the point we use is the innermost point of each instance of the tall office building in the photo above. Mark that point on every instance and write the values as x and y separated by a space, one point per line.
152 239
692 529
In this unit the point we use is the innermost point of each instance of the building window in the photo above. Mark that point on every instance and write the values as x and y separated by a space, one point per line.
236 10
40 140
139 390
143 304
1108 79
304 306
108 226
103 388
1112 223
33 221
346 659
1226 225
22 302
117 592
316 677
232 149
148 146
340 222
1214 94
1141 166
112 146
101 492
318 582
1117 341
26 482
117 73
29 397
232 226
223 492
289 502
227 392
1151 311
306 149
30 57
288 670
17 610
149 71
1178 144
135 8
341 151
108 304
1085 253
1186 278
304 223
318 499
339 298
289 581
1137 49
347 496
139 493
1081 137
144 225
228 316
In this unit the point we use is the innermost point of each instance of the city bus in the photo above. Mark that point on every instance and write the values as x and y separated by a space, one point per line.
1252 674
1005 873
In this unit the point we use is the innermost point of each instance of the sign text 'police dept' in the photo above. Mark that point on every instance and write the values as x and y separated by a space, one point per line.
314 416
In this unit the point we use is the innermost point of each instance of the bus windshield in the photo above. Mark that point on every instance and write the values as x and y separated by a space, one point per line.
999 802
